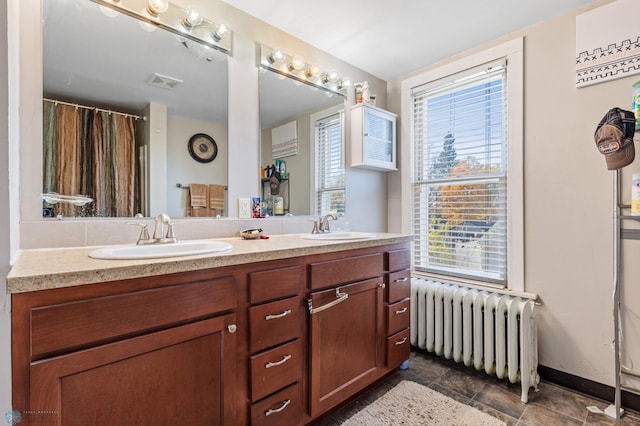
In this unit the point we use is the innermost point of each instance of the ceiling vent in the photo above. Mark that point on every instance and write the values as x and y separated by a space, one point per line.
163 81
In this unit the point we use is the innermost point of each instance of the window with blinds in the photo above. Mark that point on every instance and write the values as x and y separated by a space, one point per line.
460 175
330 171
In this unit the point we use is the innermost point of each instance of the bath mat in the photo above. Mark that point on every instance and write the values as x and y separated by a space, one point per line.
411 404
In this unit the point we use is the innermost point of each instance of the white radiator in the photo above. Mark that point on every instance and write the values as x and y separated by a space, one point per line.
491 331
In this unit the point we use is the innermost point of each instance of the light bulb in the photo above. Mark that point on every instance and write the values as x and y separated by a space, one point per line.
297 63
156 7
276 56
220 31
329 77
312 71
191 19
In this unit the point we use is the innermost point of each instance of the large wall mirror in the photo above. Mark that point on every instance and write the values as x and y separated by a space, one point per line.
105 74
284 101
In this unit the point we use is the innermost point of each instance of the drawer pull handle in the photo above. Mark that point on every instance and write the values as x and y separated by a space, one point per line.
282 315
401 311
232 328
340 297
277 363
271 411
401 280
400 342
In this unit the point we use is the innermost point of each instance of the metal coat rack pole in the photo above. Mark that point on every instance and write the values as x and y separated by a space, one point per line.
616 288
620 233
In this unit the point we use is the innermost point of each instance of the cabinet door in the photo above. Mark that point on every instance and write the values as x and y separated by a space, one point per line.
183 375
345 353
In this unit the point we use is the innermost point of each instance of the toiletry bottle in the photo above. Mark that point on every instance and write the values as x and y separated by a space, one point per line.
635 103
283 169
366 93
358 90
635 194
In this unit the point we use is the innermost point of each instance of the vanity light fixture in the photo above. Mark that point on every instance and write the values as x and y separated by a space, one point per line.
296 68
187 23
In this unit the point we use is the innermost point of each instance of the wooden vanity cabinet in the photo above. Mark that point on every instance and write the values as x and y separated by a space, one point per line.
346 321
397 301
143 351
276 345
280 342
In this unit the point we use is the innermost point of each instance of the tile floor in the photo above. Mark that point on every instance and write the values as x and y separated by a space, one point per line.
552 405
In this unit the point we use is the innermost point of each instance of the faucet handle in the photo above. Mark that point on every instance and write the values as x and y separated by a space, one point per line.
170 235
144 232
315 226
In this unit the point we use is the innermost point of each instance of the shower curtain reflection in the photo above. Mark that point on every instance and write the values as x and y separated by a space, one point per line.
93 153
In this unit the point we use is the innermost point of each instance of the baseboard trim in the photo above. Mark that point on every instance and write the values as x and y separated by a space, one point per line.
589 387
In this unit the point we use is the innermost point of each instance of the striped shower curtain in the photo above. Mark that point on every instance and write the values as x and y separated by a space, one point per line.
91 153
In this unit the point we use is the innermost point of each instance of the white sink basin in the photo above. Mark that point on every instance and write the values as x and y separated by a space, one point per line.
339 235
153 251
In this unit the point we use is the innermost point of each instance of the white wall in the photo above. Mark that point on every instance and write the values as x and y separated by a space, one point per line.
9 179
568 205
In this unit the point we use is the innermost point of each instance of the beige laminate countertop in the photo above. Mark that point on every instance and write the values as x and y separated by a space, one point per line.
67 267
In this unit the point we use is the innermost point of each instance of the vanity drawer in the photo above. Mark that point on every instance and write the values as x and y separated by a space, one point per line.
396 260
398 317
274 323
81 324
275 369
274 284
398 348
281 409
398 285
347 270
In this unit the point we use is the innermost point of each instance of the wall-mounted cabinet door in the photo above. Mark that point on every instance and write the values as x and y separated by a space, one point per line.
345 344
183 375
373 138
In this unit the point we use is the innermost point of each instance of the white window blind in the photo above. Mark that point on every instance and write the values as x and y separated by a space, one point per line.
330 172
460 175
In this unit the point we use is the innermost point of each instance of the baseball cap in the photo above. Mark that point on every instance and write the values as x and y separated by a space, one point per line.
614 138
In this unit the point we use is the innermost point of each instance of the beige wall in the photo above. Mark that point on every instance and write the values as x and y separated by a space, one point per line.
182 169
568 205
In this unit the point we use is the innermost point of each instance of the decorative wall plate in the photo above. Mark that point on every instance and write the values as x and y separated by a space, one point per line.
202 148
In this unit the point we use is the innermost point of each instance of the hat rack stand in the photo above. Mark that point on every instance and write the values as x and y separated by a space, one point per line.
620 233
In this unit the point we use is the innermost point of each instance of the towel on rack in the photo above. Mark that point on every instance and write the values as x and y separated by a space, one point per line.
216 200
197 200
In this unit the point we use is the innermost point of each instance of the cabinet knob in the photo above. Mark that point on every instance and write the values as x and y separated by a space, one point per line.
232 328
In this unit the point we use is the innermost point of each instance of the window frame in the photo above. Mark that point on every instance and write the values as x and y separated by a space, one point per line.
512 52
313 118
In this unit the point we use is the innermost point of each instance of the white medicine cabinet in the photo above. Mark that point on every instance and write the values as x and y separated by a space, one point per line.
373 138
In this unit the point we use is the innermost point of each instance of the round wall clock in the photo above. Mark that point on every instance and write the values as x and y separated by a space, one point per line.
202 148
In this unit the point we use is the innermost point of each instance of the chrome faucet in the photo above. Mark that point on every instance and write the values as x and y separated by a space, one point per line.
324 222
159 234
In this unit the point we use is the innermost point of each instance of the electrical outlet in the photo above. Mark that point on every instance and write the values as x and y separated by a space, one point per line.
244 208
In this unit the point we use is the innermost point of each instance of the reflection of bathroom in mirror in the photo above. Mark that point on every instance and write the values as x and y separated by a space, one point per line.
283 101
107 76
